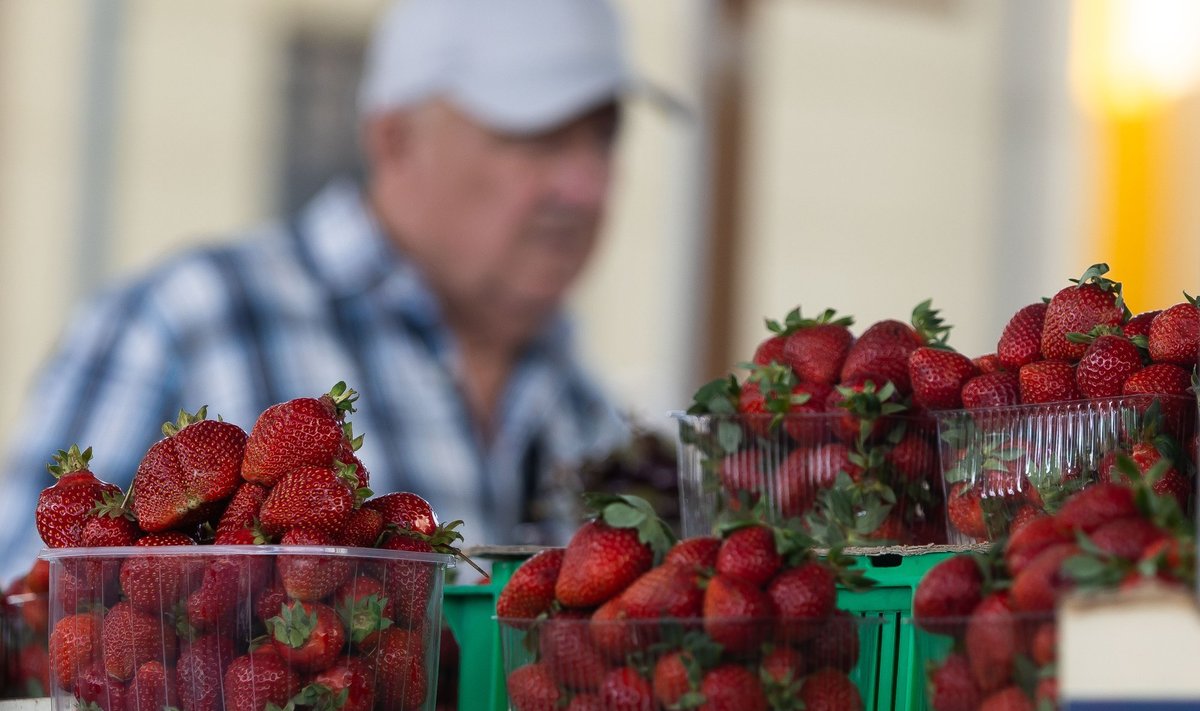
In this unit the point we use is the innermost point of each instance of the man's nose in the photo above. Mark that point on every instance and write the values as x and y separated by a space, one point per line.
582 175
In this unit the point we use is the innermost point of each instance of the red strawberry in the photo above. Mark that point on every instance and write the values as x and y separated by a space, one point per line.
675 674
965 511
74 645
254 680
913 457
1139 325
1096 505
186 475
1008 699
1093 301
532 688
952 687
865 408
1158 379
670 590
1175 334
783 666
130 638
773 392
1170 483
1046 693
33 671
623 688
310 577
988 363
1025 543
730 687
612 633
308 635
996 389
301 432
698 552
937 376
1048 381
1021 341
93 687
363 528
37 580
567 649
313 497
947 594
201 670
110 524
991 642
830 690
601 561
399 661
836 644
351 676
361 602
63 509
743 471
749 553
409 582
1105 365
153 688
1044 647
770 350
1127 538
881 354
530 590
1039 585
243 508
405 510
817 348
152 583
737 615
804 598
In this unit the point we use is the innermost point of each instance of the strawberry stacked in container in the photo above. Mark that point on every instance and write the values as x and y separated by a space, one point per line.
310 594
987 620
623 618
1074 381
826 429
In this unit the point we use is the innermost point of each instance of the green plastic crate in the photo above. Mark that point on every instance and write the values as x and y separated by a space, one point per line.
899 686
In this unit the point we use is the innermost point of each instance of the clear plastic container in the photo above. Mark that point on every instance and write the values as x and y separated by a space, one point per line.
1000 464
215 628
841 478
626 664
24 618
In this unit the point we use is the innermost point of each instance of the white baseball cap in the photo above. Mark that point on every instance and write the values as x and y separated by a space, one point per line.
519 66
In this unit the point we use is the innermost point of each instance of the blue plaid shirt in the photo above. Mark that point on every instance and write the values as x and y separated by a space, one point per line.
286 313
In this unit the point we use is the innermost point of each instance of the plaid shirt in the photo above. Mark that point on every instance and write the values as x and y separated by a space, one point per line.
287 313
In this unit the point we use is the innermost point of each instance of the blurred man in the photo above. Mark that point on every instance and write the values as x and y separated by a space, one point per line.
434 289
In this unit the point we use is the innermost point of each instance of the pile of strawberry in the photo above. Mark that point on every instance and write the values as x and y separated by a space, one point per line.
228 629
623 618
26 617
830 429
1081 345
998 607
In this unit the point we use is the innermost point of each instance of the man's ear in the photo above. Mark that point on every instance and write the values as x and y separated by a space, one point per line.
387 137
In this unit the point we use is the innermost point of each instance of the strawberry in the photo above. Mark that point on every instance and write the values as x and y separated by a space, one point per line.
830 690
186 475
1039 585
1175 334
836 644
530 591
743 471
1140 325
749 553
532 688
318 498
130 638
816 348
301 432
243 508
361 602
74 645
675 674
1170 483
913 458
33 670
782 666
952 687
730 687
308 635
1048 381
996 389
1105 365
937 376
769 350
772 394
410 583
567 650
1021 341
670 590
153 688
254 680
624 688
1043 649
804 598
1096 505
94 688
64 508
1127 538
1035 536
864 409
350 676
881 352
991 642
399 661
37 580
110 524
310 577
363 528
1158 379
965 511
988 363
1008 699
601 559
1093 301
1045 695
1028 512
405 510
611 631
947 594
201 670
737 613
698 553
152 583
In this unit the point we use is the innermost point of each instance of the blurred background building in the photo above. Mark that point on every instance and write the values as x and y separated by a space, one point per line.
859 154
